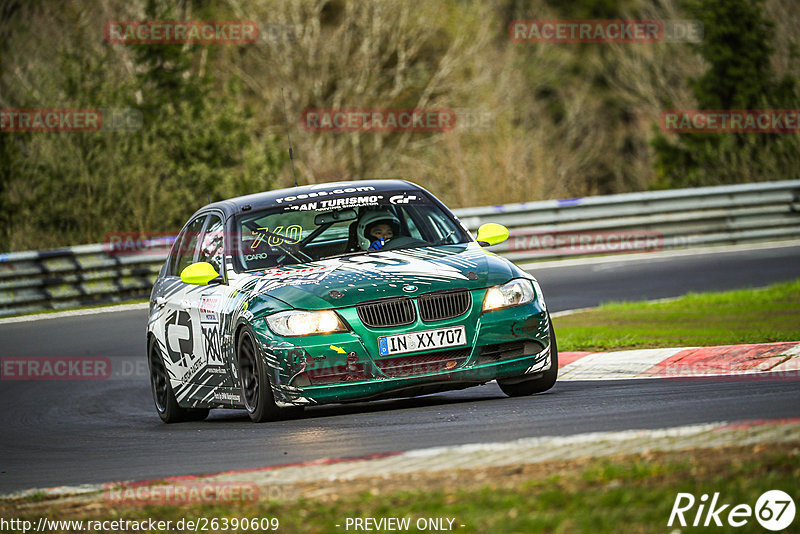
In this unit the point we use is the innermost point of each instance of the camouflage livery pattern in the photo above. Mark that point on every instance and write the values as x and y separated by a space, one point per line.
196 327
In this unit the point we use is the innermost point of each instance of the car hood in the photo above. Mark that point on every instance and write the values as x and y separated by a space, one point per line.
349 280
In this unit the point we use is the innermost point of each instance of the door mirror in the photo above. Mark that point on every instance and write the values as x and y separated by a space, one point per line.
491 234
200 274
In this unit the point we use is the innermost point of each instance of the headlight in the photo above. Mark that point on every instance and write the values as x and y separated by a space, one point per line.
305 323
513 293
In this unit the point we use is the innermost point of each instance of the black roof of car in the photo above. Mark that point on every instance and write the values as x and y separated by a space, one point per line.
270 198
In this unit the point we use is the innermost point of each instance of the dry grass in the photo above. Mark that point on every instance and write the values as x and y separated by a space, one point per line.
564 120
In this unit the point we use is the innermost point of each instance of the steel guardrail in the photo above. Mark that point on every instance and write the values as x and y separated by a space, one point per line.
542 230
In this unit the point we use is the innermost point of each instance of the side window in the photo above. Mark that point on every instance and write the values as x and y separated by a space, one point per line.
173 256
211 245
442 227
185 246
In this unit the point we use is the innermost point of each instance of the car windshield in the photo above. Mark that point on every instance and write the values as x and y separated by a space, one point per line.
298 231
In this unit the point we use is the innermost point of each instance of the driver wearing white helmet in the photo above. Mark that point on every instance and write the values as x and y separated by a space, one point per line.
376 229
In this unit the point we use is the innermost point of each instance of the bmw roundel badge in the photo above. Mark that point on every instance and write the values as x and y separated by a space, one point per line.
409 288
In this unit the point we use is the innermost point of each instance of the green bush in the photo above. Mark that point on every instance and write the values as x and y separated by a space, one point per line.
737 50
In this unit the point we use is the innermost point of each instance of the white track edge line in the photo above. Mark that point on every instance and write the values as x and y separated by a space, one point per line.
74 313
644 256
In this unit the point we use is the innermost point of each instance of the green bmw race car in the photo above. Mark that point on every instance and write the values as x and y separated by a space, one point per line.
334 293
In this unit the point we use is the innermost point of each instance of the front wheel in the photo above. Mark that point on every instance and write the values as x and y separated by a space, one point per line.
166 404
256 388
515 388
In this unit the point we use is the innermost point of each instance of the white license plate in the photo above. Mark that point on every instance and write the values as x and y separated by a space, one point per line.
429 339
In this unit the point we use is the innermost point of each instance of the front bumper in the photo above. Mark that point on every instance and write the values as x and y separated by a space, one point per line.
416 385
345 367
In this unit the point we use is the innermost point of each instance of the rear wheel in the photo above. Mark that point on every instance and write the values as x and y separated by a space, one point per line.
256 388
163 396
513 387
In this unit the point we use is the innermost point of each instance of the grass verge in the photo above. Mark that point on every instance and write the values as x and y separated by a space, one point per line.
622 493
697 319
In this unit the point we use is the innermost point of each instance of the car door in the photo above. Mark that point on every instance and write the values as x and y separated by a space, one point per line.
180 323
208 304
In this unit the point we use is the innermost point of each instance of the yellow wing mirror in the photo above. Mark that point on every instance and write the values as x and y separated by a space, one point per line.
200 274
491 234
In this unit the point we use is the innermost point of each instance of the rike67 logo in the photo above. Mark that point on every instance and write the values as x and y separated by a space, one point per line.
774 510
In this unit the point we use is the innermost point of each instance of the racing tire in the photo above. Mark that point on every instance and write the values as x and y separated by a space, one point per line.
164 398
514 388
256 388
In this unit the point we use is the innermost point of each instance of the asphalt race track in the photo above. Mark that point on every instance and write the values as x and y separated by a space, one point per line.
67 432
